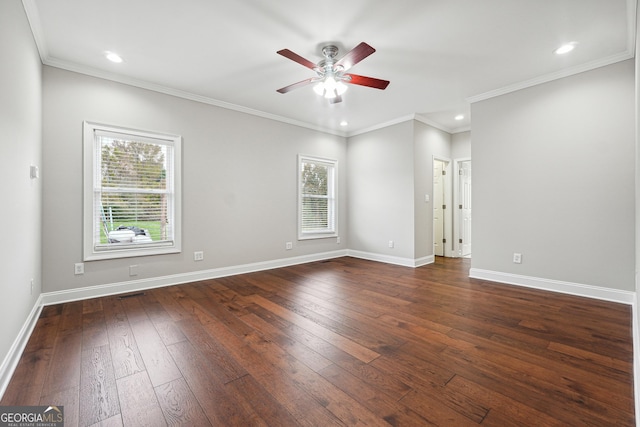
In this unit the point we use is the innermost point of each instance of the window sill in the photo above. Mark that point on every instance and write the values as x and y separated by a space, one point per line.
130 252
315 236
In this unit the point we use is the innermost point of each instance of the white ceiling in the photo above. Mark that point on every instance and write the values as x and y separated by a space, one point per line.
438 54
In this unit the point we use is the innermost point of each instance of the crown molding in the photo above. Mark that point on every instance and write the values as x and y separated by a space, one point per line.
431 123
552 76
181 94
461 129
33 17
382 125
31 11
629 53
632 8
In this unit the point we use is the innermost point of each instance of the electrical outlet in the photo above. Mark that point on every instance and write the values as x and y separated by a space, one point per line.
198 255
338 240
288 246
78 268
517 258
133 270
391 244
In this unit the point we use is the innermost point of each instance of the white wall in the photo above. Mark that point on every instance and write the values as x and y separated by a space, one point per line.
239 180
20 216
553 179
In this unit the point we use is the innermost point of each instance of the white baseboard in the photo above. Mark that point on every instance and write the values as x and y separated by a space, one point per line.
430 259
59 297
10 362
613 295
636 359
578 289
406 262
50 298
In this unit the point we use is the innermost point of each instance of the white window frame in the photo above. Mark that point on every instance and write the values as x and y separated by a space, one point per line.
91 159
332 190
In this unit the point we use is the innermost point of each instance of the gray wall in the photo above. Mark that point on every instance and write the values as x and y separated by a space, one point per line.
461 145
553 179
380 182
429 142
390 171
21 127
239 180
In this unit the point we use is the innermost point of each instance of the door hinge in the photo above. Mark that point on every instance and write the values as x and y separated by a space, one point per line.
459 171
444 206
444 240
459 206
444 172
459 240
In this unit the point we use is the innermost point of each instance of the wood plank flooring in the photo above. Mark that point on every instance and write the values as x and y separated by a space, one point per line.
340 342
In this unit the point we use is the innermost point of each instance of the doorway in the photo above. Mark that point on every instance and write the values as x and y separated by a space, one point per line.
441 201
463 211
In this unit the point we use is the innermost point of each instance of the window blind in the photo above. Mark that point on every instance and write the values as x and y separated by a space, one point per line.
317 196
133 190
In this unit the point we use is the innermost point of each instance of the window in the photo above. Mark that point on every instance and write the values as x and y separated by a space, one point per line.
317 198
131 192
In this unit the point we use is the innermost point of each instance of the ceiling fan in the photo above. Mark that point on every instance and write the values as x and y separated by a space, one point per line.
331 73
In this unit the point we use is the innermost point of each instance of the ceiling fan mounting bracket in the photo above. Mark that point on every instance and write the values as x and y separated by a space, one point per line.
330 52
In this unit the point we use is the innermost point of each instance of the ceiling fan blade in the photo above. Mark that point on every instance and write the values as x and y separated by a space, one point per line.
297 85
297 58
356 55
367 81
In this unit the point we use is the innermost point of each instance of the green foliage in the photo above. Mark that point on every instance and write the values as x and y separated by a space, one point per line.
127 163
315 179
132 165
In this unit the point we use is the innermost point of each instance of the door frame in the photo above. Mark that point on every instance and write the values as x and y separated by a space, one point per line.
456 212
448 201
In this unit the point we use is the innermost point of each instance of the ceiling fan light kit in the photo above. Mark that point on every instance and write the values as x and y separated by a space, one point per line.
330 88
331 75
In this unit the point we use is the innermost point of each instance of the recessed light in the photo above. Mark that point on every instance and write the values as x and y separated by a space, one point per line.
344 123
113 57
459 117
565 48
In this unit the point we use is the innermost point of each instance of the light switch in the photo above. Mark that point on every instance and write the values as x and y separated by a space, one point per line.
34 172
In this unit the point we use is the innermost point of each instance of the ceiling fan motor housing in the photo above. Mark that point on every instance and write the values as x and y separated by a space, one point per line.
327 67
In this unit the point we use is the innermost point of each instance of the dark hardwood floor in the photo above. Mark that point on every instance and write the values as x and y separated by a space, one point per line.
340 342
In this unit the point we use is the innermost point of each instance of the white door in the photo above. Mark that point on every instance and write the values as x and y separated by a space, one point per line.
438 207
465 207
